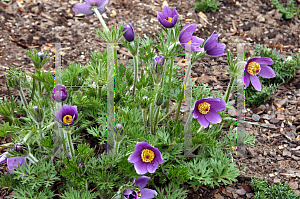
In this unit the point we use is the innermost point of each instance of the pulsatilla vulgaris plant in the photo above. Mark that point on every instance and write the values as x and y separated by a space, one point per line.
57 119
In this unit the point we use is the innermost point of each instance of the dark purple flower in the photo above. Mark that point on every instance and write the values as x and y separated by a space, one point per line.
67 115
19 147
168 19
258 66
12 162
82 8
141 193
59 91
129 34
205 110
145 158
186 37
158 62
212 47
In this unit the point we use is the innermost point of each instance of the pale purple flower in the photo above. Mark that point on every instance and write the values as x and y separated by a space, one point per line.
145 158
212 47
186 37
169 18
141 193
157 63
205 110
82 8
12 162
258 66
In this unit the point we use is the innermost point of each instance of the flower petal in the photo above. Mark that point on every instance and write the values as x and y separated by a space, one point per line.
101 3
58 115
82 8
151 167
167 11
3 158
266 71
265 60
135 157
142 181
203 121
140 167
147 193
217 104
246 79
213 117
255 82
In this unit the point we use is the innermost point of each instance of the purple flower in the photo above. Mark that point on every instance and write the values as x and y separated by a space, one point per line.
212 47
205 110
145 158
158 62
129 34
186 37
12 162
19 147
82 8
168 19
257 66
56 93
141 193
67 115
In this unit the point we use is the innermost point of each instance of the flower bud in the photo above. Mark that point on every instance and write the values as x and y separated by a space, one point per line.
144 102
159 100
18 147
158 63
59 91
164 105
80 165
41 54
129 34
119 128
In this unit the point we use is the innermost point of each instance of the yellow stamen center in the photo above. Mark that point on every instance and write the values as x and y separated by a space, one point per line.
204 107
169 19
67 119
147 155
253 68
138 192
189 41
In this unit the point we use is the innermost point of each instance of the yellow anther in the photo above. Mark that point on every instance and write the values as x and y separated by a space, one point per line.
169 19
253 68
67 119
204 107
147 155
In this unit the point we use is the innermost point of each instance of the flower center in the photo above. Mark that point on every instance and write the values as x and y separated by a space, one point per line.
169 19
138 192
67 119
147 155
253 68
204 107
189 41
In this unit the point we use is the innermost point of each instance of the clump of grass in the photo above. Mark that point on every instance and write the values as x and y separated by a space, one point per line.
207 5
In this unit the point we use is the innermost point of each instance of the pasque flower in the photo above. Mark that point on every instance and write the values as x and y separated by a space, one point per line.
59 90
186 37
67 115
82 8
168 19
205 110
140 193
212 47
129 34
19 147
158 62
258 66
145 158
12 162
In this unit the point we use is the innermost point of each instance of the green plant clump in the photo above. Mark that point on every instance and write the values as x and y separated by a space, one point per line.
287 12
207 5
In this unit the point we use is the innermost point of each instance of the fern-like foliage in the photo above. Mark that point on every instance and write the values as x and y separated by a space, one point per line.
287 12
207 5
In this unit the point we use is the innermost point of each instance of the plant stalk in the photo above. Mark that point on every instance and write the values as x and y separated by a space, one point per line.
135 58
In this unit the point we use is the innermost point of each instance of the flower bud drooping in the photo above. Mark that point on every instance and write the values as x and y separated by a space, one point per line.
144 102
18 147
41 54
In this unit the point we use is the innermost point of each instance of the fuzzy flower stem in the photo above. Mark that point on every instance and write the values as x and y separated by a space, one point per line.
27 136
116 59
228 90
68 145
135 72
145 119
199 129
31 158
179 103
166 115
170 79
100 18
152 123
23 98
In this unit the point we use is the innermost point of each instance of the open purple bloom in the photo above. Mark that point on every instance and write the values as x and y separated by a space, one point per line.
212 47
59 91
168 19
12 162
158 62
129 34
205 110
145 158
141 193
258 66
67 115
82 8
186 37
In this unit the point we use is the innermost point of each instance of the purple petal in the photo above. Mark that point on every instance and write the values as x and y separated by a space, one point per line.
135 157
82 8
218 50
74 112
255 82
3 158
217 104
160 17
266 71
213 117
265 61
252 59
158 156
101 3
58 115
127 192
246 79
196 40
174 13
203 121
142 181
147 193
151 167
13 162
167 11
141 146
140 167
187 33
